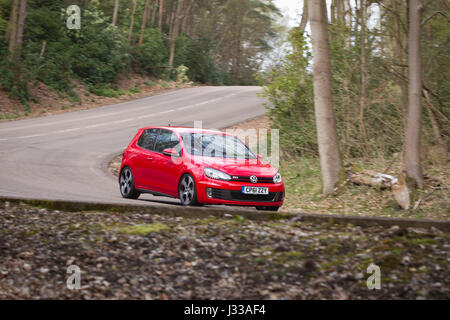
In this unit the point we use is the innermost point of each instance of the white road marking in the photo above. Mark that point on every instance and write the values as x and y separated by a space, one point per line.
89 117
123 120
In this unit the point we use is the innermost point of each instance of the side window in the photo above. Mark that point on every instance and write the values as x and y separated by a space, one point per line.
167 139
147 139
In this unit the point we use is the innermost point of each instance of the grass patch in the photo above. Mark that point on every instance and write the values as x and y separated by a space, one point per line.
143 229
150 83
302 180
107 91
133 90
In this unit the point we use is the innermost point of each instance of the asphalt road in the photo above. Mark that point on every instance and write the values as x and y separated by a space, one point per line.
64 157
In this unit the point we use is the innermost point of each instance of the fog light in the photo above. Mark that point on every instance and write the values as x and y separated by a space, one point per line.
209 192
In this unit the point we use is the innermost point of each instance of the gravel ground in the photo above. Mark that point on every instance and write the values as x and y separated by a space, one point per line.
143 256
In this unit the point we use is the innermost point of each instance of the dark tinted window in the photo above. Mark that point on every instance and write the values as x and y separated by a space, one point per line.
167 139
147 139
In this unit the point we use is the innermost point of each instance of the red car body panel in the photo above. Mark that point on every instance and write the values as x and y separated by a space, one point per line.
160 174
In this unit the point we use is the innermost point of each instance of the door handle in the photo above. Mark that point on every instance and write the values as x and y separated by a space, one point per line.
149 158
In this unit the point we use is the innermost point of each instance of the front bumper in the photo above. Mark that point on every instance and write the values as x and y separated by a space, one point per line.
229 192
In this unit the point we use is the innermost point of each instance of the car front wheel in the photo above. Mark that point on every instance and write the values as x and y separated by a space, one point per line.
127 188
187 191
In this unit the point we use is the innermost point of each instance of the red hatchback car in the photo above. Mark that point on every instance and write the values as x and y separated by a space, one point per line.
198 166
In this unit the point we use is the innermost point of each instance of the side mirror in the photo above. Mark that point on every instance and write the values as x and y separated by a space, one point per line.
259 156
171 152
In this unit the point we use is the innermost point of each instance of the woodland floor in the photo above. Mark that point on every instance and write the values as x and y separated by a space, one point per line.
144 256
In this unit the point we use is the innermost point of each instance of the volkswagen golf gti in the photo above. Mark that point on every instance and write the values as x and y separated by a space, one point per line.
198 166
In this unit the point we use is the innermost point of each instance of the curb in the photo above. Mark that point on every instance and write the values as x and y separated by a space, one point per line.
202 212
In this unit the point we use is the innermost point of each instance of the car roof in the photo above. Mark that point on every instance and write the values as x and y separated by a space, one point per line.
187 129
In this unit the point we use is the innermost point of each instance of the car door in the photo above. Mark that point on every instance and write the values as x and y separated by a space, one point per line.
143 164
167 168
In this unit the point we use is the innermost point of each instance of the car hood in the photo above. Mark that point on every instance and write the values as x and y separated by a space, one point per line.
238 167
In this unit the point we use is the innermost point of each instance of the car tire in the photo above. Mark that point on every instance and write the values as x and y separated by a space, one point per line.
126 184
267 208
187 191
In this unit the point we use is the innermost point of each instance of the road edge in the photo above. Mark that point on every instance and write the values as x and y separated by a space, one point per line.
202 212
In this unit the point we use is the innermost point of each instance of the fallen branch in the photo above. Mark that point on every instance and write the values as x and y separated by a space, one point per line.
383 181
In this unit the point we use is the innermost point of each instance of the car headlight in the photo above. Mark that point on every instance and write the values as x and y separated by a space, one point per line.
277 178
216 174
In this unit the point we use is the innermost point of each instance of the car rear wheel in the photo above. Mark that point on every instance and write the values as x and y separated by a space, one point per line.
187 191
127 188
267 208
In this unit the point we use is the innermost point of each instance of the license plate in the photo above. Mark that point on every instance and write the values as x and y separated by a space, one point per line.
255 190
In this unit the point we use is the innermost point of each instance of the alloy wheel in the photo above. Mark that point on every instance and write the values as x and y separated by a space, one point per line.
187 190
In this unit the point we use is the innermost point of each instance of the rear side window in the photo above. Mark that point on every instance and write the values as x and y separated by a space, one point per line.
147 139
167 139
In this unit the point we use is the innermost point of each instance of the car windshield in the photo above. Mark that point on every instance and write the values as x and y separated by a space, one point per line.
216 145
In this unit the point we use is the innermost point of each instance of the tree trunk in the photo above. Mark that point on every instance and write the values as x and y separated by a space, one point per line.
116 10
12 27
20 27
304 20
144 22
333 11
186 15
341 12
44 45
155 7
363 97
130 32
161 12
175 32
330 158
413 126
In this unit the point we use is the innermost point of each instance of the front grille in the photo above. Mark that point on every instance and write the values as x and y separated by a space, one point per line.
247 179
237 195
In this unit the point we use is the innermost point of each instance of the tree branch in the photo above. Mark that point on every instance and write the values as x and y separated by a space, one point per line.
435 14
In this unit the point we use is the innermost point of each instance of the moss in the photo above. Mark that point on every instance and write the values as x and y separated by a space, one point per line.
417 241
277 224
278 216
206 220
388 262
285 257
143 229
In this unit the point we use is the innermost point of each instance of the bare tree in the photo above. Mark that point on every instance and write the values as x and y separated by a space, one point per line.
116 10
130 32
144 21
11 31
154 9
330 158
161 12
413 125
186 15
20 27
363 98
304 20
174 35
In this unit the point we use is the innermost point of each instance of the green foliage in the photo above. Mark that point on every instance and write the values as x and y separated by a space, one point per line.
14 79
106 91
181 73
133 90
98 52
202 67
289 90
152 55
